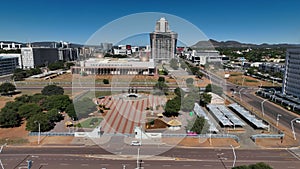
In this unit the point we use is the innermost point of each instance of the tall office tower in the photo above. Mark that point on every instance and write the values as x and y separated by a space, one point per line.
163 42
291 85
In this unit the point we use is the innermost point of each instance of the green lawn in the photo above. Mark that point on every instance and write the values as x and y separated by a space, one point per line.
250 80
89 124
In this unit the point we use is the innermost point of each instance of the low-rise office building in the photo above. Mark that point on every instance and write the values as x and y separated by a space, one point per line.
204 56
115 67
272 67
35 56
8 64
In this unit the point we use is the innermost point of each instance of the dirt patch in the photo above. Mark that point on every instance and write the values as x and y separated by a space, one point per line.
276 142
14 133
202 82
203 142
4 100
53 140
239 79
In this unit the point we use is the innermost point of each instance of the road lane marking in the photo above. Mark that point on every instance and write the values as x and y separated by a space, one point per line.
293 154
64 164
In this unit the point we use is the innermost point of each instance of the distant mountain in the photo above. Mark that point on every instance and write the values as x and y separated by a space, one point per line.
235 44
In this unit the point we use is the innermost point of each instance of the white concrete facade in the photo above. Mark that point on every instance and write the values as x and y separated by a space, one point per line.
27 58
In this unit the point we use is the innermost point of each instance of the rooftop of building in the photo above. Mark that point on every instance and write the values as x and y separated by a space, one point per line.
123 62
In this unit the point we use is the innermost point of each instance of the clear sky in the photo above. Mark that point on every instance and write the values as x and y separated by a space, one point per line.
253 21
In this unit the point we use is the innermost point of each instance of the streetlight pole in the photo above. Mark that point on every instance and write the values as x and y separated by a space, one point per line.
262 107
2 167
277 120
260 84
243 80
234 156
137 159
273 94
141 135
39 135
240 93
292 124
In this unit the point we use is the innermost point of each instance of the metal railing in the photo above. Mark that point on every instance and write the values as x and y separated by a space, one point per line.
236 138
51 134
279 136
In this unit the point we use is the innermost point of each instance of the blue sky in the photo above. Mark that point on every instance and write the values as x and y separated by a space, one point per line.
253 21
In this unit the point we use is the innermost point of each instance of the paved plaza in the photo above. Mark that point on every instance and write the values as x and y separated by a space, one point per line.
125 112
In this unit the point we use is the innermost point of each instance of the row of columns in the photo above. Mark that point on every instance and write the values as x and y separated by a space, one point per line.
112 71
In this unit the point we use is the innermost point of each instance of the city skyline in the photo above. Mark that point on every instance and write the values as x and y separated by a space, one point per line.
250 22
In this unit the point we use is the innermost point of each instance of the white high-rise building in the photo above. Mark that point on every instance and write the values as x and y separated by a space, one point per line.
291 85
163 42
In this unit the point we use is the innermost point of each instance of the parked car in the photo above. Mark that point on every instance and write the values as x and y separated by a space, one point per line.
135 143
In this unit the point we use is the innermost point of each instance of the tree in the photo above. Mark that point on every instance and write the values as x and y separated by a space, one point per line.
52 90
189 81
179 92
208 88
194 70
105 81
54 115
174 64
162 88
70 110
29 109
69 64
199 125
199 74
14 106
161 79
241 167
9 118
59 102
38 98
20 74
214 88
188 103
56 65
205 99
260 165
172 107
24 98
6 88
33 71
42 118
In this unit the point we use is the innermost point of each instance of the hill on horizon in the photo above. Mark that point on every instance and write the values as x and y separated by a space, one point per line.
211 43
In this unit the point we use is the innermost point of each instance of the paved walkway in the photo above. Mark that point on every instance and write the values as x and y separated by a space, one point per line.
125 113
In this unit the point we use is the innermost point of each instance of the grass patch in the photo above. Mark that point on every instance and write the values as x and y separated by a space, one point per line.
250 80
235 74
13 141
90 122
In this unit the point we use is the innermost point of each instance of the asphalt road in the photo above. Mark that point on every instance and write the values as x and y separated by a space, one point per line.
95 157
271 110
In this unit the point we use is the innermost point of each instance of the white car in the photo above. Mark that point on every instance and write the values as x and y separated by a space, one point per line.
135 143
298 121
